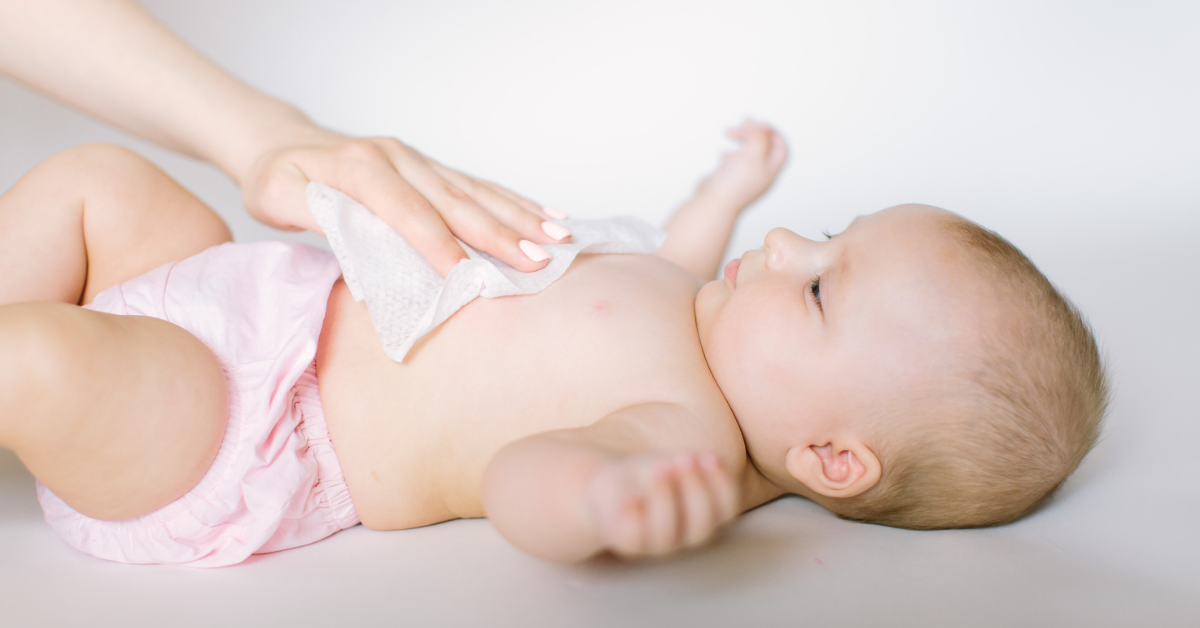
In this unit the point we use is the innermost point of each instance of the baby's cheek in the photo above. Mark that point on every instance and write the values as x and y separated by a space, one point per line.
766 332
739 336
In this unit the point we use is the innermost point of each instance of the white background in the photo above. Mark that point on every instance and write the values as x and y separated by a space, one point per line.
1069 127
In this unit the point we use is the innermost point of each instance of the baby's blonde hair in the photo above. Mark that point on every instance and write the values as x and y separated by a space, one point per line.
1015 418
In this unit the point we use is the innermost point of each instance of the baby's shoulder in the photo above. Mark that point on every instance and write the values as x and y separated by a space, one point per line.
647 277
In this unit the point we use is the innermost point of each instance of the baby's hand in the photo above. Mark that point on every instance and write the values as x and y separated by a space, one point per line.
653 505
745 173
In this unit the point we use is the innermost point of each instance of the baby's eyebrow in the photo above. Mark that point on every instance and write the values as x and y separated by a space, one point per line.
829 236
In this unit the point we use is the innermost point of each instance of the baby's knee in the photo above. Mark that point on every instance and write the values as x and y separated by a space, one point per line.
73 175
97 157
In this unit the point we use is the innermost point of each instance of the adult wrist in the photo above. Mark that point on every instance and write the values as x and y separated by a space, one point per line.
278 126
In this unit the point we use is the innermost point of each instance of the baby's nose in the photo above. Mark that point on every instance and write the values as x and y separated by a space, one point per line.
785 248
783 240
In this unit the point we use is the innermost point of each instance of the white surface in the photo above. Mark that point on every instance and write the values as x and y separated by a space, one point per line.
1068 127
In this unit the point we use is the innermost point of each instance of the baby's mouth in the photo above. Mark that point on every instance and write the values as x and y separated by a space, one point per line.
731 271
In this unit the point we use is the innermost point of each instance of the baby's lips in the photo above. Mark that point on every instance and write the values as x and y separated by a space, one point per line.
731 271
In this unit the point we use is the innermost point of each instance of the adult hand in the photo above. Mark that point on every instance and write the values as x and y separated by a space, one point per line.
423 200
114 61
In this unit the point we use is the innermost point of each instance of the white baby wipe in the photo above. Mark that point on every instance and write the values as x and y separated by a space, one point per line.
406 297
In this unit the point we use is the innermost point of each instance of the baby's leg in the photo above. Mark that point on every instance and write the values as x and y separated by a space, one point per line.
91 217
118 415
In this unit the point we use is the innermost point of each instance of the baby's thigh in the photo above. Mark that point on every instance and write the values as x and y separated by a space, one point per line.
117 415
137 218
94 216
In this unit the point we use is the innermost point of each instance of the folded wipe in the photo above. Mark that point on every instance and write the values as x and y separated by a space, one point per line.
406 297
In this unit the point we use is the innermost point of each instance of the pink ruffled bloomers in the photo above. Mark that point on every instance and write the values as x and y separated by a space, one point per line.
276 482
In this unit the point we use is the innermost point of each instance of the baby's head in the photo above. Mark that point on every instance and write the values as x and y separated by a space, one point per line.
915 370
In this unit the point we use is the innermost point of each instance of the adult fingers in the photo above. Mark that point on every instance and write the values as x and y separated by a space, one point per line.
530 206
531 224
462 214
366 174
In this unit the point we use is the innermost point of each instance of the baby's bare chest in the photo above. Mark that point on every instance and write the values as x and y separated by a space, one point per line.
414 439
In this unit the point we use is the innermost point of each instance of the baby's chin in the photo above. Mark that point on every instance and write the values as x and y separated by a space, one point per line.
708 301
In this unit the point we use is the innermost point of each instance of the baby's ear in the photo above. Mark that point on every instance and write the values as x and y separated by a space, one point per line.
841 468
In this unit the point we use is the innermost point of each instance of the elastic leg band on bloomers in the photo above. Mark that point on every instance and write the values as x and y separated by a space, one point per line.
276 482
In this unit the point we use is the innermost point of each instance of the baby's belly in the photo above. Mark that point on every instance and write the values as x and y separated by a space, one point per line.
370 422
414 439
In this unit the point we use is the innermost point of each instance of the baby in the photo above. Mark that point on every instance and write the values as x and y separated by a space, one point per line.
915 370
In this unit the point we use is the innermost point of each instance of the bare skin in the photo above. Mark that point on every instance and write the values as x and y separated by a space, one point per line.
629 407
408 464
112 60
418 436
118 415
582 422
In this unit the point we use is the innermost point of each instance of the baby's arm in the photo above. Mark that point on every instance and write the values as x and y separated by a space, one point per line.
699 231
569 494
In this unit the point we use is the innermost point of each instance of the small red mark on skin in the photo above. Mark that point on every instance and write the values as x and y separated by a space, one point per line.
819 562
602 307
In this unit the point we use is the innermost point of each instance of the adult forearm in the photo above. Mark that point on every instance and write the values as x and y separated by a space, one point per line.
111 59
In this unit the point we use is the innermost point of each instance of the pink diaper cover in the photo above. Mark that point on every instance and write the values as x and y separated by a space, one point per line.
276 482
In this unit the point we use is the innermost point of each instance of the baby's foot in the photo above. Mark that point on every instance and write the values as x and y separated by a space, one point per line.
745 173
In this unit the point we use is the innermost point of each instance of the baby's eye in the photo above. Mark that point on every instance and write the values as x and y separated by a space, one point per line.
814 286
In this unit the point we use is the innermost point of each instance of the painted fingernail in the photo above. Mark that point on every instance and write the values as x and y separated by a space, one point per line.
533 251
558 232
554 213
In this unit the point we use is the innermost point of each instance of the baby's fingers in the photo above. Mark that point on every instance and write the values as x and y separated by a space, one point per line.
759 140
662 513
726 499
699 509
739 132
626 531
778 153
